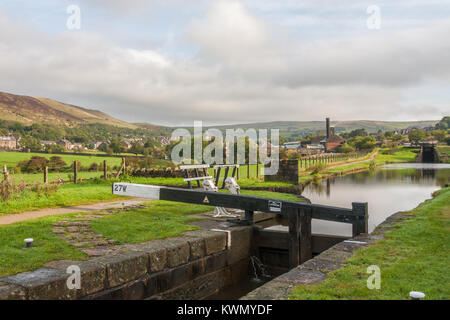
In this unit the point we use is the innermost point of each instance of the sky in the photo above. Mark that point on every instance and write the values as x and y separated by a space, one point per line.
172 62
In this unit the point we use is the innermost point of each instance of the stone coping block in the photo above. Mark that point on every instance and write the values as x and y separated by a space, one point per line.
43 284
272 290
10 291
302 276
124 267
93 274
215 241
321 265
335 255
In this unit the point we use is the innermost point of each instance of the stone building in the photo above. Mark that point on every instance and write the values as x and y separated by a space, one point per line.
9 143
330 141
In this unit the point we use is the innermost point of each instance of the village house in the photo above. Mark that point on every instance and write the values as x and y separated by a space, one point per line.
65 144
126 145
294 145
9 143
101 145
163 140
45 143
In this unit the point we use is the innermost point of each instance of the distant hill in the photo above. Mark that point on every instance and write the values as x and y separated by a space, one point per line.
160 130
302 128
29 110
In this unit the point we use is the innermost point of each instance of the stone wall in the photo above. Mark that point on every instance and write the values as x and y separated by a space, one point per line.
153 173
287 172
193 266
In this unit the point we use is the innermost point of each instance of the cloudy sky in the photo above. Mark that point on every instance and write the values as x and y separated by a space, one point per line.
232 61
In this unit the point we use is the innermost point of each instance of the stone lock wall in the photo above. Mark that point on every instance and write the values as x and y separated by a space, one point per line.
287 172
194 266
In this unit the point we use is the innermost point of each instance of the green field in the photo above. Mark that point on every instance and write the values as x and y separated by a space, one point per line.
11 159
30 178
414 257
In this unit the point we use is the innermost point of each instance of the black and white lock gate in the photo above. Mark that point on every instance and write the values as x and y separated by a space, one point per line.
299 214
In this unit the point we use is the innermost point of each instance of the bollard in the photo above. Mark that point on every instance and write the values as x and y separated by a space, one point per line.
29 242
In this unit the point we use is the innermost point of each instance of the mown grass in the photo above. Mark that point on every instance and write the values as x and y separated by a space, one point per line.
445 153
444 149
160 219
47 246
67 195
414 256
398 155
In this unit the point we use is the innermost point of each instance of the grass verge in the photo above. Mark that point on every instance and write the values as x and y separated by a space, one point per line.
47 246
414 256
67 195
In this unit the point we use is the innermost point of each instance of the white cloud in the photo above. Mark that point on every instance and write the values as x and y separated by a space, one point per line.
244 70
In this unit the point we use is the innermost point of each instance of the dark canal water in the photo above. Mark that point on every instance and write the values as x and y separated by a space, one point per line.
388 189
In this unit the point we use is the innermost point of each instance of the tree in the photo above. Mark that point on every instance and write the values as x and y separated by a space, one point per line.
444 124
365 143
416 135
137 148
56 163
440 135
388 134
345 148
31 143
357 133
116 146
35 164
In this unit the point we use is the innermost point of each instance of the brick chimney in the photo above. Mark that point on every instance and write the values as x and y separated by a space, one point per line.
328 128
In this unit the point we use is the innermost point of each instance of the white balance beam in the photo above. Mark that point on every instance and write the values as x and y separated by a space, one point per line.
136 190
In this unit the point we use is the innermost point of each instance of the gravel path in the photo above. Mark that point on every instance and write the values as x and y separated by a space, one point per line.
17 217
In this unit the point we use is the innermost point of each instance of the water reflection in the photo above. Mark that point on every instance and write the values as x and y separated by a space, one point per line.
389 189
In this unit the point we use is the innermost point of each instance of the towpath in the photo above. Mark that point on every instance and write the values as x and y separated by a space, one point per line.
23 216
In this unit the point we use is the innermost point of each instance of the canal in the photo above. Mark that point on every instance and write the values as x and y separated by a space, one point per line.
387 189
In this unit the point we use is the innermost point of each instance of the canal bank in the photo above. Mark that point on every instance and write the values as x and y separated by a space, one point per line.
411 250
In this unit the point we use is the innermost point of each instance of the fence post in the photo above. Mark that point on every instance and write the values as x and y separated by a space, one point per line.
248 170
257 170
45 174
105 170
5 172
237 173
75 172
362 225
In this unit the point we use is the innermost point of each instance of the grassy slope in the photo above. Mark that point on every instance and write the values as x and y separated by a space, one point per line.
401 155
414 256
445 153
